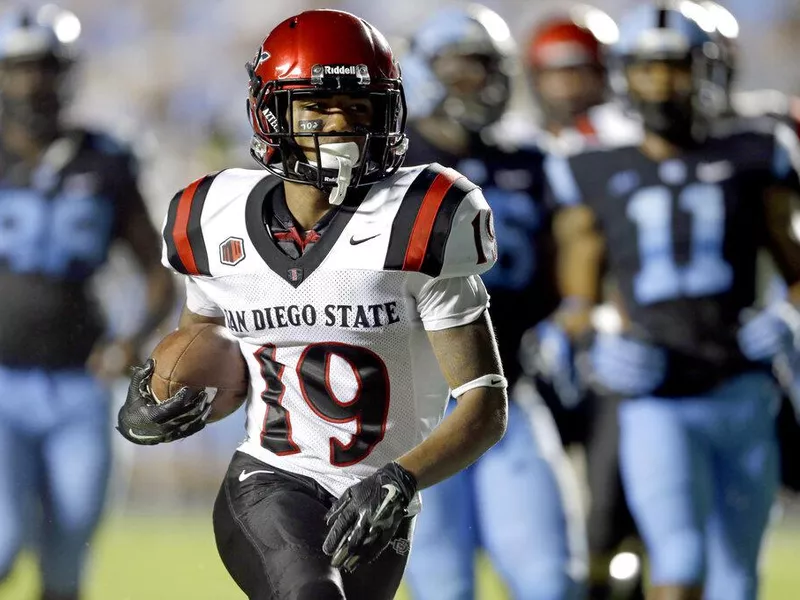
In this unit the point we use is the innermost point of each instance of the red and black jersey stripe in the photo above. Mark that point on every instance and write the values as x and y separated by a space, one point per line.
186 250
423 222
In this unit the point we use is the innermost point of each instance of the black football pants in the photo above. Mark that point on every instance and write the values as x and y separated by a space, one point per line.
269 529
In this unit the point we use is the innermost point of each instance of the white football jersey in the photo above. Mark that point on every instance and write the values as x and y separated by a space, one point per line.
607 125
343 378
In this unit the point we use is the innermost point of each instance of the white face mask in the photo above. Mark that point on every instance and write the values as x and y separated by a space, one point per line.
342 157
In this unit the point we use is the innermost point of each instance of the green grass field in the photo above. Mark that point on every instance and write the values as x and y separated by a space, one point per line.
149 558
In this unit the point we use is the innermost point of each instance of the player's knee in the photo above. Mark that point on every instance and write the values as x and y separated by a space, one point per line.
437 587
76 521
740 585
678 558
317 590
545 580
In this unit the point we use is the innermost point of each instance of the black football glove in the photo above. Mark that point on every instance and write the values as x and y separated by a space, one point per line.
143 420
364 520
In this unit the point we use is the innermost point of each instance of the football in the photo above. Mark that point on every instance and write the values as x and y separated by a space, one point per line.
201 356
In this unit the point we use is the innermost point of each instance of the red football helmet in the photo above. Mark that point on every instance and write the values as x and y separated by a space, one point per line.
561 43
318 53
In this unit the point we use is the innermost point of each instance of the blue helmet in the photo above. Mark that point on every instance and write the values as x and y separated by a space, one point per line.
678 31
49 33
44 41
726 34
474 31
670 30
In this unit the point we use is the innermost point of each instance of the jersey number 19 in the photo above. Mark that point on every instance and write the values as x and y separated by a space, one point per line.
368 408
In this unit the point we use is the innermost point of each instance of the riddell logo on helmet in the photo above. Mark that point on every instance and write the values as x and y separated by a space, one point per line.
340 69
360 72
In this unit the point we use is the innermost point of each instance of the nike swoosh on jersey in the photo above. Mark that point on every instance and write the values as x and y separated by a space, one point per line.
355 242
245 475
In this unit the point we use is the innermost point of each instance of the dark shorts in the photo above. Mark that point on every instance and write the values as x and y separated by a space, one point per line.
270 527
609 520
594 424
789 439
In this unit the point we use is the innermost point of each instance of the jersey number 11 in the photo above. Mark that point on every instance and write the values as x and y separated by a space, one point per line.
660 277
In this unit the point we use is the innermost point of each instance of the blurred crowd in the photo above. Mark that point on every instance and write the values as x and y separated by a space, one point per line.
173 72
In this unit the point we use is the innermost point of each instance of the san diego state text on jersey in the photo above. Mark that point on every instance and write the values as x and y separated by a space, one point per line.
56 225
342 372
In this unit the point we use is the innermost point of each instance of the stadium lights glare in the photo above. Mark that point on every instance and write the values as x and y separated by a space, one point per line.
66 24
495 25
68 27
699 15
599 23
727 24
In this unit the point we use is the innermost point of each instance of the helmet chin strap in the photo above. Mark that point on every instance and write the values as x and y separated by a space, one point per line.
341 157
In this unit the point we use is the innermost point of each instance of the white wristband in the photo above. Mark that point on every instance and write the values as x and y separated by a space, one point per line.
495 381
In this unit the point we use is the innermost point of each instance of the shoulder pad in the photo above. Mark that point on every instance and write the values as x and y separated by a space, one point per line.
430 220
760 125
758 103
117 149
105 143
184 247
613 126
203 215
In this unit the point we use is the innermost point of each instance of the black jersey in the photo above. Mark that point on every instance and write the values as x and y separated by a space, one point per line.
521 282
57 222
288 235
682 236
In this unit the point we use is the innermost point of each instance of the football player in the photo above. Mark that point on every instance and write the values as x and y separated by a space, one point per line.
66 194
353 286
765 103
458 77
567 73
678 220
566 67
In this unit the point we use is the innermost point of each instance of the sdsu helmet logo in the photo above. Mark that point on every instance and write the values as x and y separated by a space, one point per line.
231 251
261 56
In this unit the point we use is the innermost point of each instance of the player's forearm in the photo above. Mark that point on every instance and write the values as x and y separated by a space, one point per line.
575 319
578 272
794 293
477 423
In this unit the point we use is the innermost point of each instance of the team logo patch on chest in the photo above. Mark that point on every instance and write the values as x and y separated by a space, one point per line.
295 274
231 251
